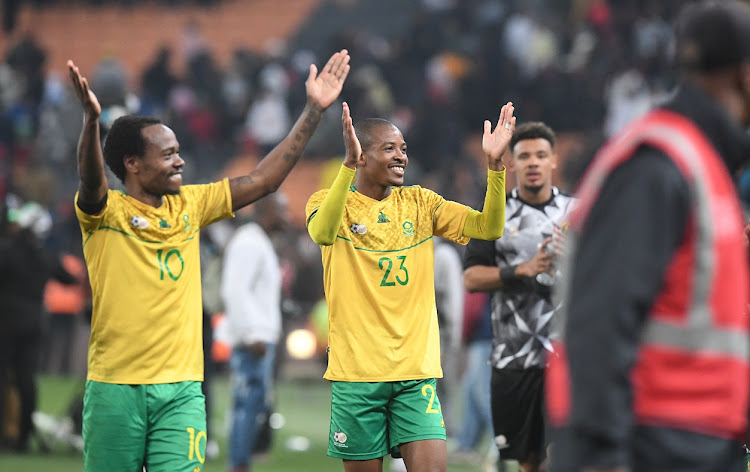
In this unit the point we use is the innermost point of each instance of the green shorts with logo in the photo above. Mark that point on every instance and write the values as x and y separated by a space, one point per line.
371 419
161 426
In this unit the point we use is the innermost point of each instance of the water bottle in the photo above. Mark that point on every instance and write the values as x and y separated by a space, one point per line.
546 278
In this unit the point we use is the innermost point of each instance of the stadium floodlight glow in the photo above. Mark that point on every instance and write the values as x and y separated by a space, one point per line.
301 344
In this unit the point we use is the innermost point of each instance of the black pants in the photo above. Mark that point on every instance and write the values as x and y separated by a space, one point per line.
672 450
517 400
58 346
658 449
19 358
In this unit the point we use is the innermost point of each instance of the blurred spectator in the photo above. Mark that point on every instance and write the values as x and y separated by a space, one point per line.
65 303
476 417
268 117
251 292
449 300
651 370
110 83
157 82
26 269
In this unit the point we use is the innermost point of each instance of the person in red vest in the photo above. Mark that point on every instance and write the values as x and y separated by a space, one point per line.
64 303
651 366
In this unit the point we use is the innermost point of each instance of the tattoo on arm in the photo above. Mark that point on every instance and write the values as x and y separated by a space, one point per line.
245 180
274 168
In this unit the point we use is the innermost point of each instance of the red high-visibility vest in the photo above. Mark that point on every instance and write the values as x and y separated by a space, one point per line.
67 299
692 370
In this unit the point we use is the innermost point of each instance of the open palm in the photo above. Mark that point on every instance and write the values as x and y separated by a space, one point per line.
351 143
323 89
494 143
81 86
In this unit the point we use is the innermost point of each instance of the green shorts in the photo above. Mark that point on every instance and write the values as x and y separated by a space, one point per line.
371 419
161 426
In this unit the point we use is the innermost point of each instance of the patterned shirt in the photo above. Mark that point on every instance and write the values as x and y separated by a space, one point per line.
522 309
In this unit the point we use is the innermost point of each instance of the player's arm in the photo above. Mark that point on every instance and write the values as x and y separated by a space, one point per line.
92 185
480 276
489 223
322 91
324 223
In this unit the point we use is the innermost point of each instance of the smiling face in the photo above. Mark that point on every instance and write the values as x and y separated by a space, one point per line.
159 171
533 162
383 160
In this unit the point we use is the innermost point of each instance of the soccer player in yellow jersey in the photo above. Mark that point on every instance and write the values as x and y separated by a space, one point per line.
384 344
143 404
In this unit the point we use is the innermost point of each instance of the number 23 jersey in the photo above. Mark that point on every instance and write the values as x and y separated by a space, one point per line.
379 284
144 268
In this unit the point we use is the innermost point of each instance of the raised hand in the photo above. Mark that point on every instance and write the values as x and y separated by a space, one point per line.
351 143
495 143
81 85
324 88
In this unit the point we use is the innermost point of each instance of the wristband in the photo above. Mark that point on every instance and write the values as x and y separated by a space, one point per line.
508 274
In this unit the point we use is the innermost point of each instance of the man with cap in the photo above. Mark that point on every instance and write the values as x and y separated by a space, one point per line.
651 367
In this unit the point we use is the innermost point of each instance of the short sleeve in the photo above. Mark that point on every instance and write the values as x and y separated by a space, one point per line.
88 222
213 201
314 203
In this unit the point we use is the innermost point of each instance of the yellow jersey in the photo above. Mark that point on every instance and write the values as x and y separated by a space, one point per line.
144 267
379 284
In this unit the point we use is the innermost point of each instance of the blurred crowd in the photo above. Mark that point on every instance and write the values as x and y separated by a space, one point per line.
585 67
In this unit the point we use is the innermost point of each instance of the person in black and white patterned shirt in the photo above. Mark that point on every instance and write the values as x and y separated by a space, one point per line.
512 268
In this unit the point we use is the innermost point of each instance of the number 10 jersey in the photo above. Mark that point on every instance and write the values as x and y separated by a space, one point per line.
144 268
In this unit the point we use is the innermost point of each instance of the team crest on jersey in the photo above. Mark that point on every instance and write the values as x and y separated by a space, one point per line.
138 222
186 220
339 438
408 229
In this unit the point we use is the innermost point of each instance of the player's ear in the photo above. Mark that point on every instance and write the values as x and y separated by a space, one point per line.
132 164
362 159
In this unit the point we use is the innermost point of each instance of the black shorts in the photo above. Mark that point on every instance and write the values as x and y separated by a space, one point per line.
518 413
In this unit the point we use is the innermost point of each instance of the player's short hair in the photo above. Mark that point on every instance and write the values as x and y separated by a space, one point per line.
532 130
126 139
365 128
